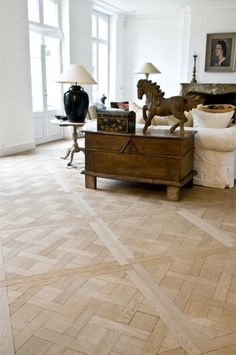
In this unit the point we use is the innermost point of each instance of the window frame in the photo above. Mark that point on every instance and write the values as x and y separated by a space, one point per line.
41 15
96 40
46 31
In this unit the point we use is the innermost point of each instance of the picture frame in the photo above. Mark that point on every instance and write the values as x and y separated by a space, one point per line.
220 52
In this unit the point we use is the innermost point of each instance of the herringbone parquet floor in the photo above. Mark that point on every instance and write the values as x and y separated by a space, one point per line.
117 270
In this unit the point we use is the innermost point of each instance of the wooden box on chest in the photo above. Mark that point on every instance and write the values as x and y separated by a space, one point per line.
116 121
156 157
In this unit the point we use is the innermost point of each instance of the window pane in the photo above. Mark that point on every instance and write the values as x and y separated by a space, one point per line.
50 12
103 28
94 61
33 10
94 72
52 56
103 68
94 26
36 71
100 55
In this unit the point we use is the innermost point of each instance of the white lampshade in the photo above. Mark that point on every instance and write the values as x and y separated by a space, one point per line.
147 68
76 74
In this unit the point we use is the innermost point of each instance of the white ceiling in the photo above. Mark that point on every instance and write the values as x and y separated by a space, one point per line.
159 6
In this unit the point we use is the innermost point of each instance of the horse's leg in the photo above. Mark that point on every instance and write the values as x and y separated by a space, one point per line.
172 128
145 112
148 121
181 128
182 119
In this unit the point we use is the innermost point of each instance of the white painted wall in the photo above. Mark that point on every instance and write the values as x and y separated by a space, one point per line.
77 43
170 42
210 20
158 40
16 125
80 26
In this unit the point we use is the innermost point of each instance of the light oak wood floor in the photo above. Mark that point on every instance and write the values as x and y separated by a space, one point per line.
117 270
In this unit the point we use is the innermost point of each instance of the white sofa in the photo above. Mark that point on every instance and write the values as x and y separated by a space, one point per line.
215 147
214 156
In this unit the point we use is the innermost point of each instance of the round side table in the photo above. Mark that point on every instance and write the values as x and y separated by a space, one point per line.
75 147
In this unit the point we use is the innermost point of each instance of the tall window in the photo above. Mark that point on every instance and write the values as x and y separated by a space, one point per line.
45 36
45 59
44 12
100 54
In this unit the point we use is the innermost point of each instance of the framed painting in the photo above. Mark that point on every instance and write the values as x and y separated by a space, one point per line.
220 52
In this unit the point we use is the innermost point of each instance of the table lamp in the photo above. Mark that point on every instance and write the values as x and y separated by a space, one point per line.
76 100
147 68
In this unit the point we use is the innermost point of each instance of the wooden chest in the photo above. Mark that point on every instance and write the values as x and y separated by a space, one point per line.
158 157
116 121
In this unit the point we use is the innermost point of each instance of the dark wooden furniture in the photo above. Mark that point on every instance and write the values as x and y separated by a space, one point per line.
158 157
212 93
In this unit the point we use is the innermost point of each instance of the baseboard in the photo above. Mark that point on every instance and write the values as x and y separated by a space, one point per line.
20 148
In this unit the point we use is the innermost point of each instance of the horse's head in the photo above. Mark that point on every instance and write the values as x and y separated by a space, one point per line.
141 88
150 89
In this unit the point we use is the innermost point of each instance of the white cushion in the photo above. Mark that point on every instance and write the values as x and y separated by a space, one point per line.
211 120
156 121
92 112
138 110
216 139
171 120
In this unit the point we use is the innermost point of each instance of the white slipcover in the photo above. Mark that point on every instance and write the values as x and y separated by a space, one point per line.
214 155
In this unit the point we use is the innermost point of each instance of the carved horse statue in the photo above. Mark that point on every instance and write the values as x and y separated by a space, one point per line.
152 92
158 106
175 105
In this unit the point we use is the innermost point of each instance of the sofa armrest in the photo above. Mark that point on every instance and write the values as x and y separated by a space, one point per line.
92 112
217 139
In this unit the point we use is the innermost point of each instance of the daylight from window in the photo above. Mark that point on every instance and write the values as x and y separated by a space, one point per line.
100 54
45 54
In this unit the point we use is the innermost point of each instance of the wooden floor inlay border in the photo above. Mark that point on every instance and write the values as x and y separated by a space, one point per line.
187 334
221 236
116 270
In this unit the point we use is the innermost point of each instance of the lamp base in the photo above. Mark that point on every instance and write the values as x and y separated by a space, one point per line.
76 104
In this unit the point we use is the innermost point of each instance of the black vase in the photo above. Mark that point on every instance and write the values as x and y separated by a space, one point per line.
76 103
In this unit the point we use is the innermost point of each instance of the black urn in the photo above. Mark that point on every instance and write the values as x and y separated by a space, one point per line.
76 102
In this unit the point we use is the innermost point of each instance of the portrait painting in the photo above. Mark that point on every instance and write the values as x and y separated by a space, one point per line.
220 52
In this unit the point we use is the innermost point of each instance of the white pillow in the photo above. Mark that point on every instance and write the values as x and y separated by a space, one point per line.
92 112
171 120
139 114
156 121
211 120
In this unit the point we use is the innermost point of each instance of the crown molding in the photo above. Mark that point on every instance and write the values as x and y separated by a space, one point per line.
163 11
201 5
87 3
104 5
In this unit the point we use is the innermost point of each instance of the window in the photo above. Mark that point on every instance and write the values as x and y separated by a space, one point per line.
43 12
100 54
33 10
45 52
50 12
45 59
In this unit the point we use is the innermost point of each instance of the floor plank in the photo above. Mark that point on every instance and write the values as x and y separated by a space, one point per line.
118 270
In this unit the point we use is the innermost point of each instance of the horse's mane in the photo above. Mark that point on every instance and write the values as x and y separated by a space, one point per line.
151 89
